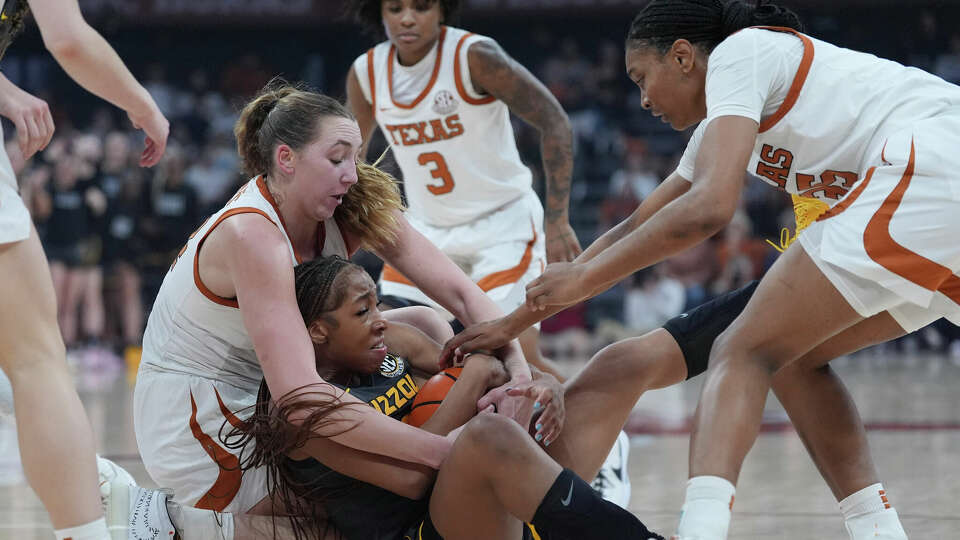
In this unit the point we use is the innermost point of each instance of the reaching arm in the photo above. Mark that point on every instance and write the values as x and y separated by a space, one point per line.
436 275
686 221
362 110
494 72
92 62
491 334
258 263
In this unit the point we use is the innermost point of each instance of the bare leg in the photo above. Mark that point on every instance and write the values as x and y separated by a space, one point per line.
56 443
745 357
258 524
131 303
823 412
603 393
92 293
495 474
599 399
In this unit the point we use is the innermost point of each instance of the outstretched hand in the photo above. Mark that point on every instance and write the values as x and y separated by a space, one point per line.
480 337
561 284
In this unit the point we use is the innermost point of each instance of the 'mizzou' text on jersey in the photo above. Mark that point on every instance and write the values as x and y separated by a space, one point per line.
436 129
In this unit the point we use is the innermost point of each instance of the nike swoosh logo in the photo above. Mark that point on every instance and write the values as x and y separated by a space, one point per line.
617 471
566 501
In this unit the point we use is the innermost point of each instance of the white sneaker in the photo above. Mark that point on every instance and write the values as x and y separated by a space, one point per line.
882 525
136 513
613 479
111 472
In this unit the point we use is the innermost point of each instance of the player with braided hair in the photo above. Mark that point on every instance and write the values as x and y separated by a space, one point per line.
226 314
495 476
812 119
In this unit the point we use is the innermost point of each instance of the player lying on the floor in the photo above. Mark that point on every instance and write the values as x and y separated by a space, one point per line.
495 478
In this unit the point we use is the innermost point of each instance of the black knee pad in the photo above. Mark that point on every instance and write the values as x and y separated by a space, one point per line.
696 330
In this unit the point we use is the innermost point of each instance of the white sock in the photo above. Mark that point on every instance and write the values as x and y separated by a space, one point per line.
707 508
196 524
95 530
869 514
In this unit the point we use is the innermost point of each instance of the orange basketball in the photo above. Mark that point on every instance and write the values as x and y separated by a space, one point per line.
430 395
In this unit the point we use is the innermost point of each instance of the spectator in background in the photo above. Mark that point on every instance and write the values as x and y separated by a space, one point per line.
213 175
565 74
122 244
694 268
652 299
638 176
172 212
736 253
68 209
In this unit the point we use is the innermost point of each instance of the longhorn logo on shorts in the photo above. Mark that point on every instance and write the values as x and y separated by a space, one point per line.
444 102
391 366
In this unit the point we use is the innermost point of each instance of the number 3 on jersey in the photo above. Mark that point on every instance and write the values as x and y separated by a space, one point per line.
440 171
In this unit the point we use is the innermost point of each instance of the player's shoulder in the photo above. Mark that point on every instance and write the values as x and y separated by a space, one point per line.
459 38
380 48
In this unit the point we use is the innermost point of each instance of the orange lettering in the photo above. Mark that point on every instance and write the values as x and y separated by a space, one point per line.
454 125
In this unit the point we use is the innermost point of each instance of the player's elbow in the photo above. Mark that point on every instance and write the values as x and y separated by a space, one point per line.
66 42
714 213
63 46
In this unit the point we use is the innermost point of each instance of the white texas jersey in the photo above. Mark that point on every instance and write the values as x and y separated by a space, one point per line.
819 131
455 147
193 331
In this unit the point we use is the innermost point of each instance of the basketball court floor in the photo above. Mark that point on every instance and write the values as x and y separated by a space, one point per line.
910 404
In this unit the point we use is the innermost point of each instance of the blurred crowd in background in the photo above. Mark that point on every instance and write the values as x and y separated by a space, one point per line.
111 229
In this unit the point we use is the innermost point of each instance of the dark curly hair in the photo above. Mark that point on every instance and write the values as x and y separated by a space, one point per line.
367 12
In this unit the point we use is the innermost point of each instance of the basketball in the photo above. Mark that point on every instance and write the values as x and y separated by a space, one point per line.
430 395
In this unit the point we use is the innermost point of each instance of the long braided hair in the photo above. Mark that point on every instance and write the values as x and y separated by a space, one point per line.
704 23
11 22
268 435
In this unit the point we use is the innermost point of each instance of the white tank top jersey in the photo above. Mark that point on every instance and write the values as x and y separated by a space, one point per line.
455 147
195 332
824 111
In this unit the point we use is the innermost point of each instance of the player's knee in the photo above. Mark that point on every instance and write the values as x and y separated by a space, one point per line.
41 348
491 436
636 359
488 370
731 349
